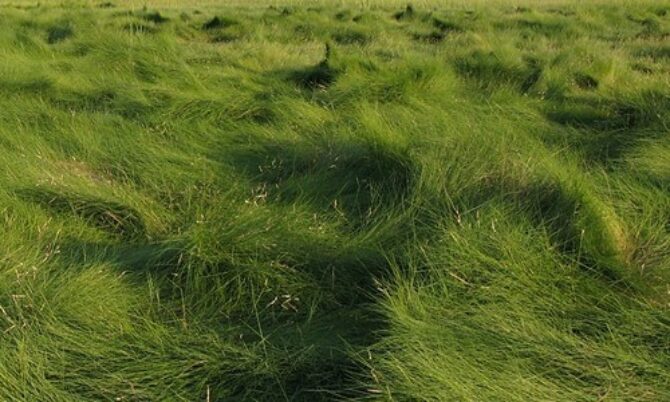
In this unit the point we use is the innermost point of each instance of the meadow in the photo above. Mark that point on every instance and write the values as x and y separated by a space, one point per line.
352 200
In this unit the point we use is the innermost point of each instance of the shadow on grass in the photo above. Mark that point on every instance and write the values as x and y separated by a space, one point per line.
578 226
317 77
358 180
312 351
607 129
59 33
489 71
110 216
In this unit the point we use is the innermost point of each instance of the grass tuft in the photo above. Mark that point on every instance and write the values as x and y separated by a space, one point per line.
405 14
154 16
59 33
218 22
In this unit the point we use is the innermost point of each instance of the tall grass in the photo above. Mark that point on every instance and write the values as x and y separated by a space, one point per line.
324 201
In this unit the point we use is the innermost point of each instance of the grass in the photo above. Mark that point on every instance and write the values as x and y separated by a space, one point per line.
312 201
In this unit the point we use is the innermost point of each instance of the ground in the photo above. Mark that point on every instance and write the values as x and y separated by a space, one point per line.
326 201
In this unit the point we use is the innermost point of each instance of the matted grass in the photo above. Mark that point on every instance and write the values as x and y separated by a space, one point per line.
305 200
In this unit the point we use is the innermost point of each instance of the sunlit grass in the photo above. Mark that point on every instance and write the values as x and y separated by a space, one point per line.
303 200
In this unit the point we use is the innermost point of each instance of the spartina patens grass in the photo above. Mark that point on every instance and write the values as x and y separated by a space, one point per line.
317 201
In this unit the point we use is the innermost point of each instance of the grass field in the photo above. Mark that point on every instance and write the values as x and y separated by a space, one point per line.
303 200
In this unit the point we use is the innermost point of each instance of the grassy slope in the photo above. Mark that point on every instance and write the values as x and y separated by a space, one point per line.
458 204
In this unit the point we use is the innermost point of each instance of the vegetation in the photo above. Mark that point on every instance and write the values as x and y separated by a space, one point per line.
312 202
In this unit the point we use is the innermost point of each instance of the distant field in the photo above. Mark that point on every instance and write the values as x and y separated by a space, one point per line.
329 3
347 200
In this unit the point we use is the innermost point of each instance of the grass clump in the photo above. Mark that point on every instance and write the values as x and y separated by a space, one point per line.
351 37
59 33
153 16
585 81
446 26
405 14
490 69
218 22
431 37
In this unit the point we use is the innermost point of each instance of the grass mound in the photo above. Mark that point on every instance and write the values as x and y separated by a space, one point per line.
335 202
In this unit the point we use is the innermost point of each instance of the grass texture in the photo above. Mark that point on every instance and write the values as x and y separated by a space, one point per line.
332 202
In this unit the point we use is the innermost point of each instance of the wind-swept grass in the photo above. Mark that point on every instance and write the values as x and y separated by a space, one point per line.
352 200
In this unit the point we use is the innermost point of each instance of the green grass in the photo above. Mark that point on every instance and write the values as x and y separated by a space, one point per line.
323 202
